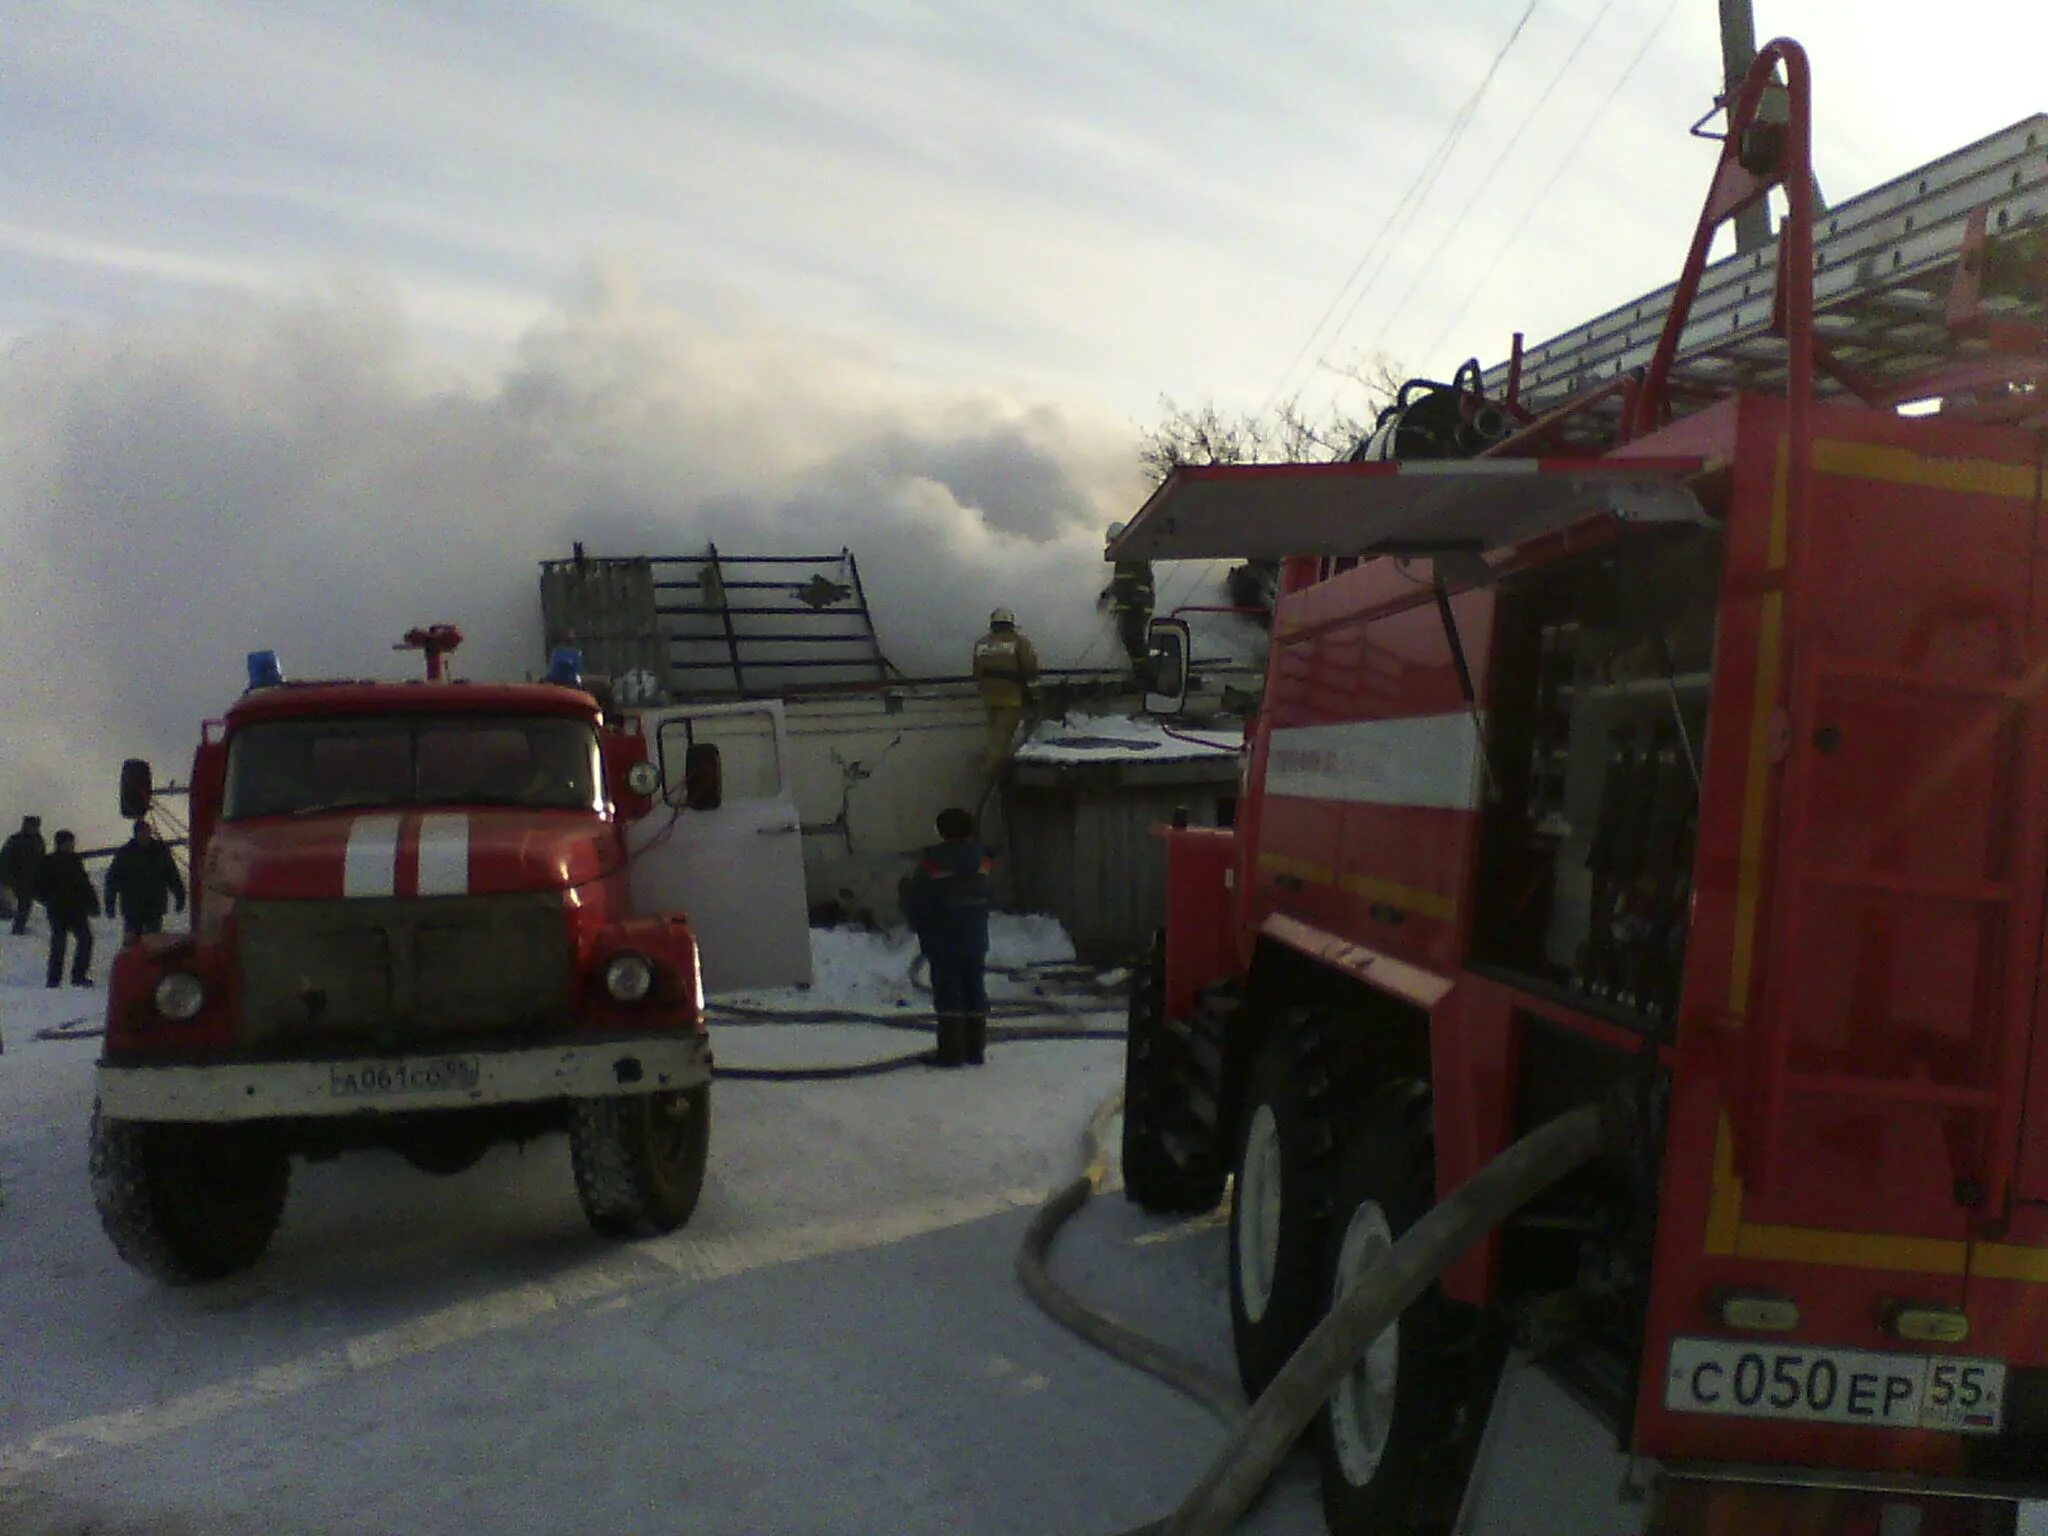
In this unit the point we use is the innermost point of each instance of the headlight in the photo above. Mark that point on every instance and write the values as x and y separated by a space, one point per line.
628 977
179 996
643 778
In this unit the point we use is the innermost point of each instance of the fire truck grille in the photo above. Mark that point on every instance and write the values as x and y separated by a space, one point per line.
399 973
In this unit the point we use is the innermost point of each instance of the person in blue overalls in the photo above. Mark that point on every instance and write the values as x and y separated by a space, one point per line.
947 902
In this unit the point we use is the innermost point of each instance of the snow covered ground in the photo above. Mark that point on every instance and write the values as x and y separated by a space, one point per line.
834 1343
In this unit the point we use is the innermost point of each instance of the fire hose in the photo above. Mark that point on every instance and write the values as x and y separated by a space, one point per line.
848 1070
743 1015
1263 1437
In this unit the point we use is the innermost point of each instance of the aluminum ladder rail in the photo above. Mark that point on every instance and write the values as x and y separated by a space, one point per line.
1885 265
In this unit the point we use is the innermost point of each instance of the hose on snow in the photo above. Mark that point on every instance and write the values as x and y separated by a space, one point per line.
1211 1389
743 1016
1262 1438
1335 1345
849 1070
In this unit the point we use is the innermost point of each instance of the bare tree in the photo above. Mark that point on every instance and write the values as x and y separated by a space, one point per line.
1206 434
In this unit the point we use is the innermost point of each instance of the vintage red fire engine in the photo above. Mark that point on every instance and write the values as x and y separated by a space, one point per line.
1678 735
413 928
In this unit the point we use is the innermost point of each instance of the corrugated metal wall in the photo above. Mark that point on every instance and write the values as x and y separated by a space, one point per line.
1085 853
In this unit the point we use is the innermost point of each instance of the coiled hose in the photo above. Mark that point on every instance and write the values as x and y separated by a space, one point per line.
1262 1438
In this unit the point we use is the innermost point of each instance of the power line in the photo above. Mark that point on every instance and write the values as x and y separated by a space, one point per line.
1412 200
1426 175
1428 266
1472 290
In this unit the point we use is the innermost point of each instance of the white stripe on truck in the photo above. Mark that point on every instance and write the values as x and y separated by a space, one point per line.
1420 760
370 866
444 855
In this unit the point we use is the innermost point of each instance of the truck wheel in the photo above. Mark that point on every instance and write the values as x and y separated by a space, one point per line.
1385 1440
1171 1073
185 1203
639 1159
1282 1170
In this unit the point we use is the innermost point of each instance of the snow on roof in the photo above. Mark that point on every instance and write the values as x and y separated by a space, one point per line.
1105 738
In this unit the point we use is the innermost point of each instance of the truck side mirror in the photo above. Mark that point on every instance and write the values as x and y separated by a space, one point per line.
1167 646
703 777
137 788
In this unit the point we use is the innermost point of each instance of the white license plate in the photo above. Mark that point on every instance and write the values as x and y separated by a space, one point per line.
388 1079
1835 1386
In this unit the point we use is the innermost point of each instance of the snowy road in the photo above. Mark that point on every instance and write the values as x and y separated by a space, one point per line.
834 1344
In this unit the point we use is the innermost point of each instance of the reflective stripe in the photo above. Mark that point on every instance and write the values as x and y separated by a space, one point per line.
444 855
1431 761
370 866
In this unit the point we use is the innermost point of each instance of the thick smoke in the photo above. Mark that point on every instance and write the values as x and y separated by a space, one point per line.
175 492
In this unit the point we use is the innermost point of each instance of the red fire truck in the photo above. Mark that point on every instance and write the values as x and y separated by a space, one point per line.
417 924
1661 715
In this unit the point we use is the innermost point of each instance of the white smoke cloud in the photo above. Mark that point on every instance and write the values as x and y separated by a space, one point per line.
176 491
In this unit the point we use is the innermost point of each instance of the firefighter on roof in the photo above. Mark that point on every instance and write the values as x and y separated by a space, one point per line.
947 902
1129 597
1006 671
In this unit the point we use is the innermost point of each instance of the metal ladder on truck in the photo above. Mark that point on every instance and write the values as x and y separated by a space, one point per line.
1914 282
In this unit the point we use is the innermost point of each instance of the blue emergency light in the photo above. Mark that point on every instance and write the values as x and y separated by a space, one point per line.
565 666
264 672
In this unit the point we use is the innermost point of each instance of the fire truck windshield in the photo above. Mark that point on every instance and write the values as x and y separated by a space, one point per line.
299 767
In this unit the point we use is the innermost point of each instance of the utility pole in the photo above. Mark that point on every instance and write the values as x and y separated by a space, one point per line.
1738 52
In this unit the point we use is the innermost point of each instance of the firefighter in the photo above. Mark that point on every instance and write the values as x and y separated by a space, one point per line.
21 860
1006 671
66 892
947 902
1129 599
142 879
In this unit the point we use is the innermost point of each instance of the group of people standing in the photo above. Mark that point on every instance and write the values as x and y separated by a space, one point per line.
141 884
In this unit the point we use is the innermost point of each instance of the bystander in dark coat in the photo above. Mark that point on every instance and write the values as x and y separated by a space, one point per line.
142 880
67 894
21 861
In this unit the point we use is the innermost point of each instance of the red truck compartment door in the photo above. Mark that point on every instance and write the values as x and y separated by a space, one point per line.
2030 1177
1901 988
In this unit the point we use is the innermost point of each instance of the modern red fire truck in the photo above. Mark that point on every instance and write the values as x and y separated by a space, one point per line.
1660 716
415 926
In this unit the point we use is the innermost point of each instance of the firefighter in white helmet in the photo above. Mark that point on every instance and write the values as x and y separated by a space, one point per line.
1006 671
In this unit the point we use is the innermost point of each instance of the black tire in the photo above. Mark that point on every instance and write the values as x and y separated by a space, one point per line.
1388 1441
1282 1167
639 1159
187 1203
1173 1070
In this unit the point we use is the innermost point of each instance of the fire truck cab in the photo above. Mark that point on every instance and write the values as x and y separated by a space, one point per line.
417 924
1658 718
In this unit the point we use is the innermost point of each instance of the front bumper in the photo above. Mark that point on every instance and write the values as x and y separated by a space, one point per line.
367 1085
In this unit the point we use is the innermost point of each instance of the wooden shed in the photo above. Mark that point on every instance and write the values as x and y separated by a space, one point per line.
1080 804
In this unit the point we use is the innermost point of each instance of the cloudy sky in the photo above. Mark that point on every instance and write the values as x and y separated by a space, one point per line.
322 319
